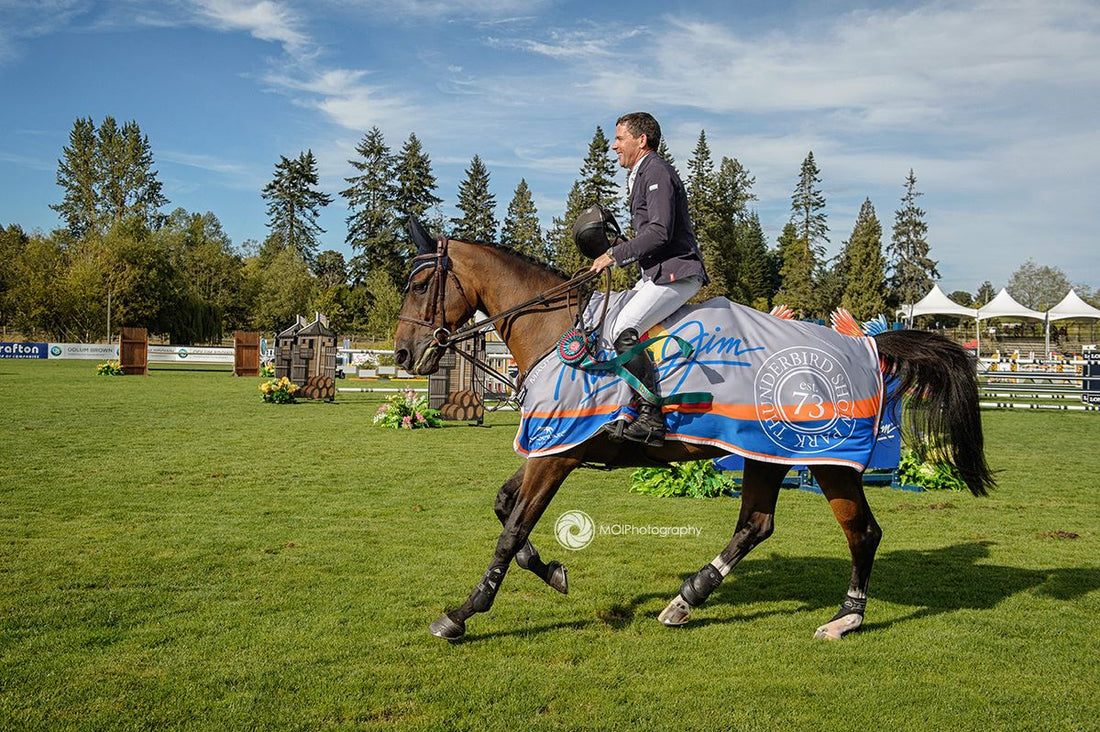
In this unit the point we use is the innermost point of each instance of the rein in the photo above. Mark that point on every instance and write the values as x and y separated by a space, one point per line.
437 316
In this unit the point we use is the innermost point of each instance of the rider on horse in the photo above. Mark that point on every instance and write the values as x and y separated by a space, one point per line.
665 249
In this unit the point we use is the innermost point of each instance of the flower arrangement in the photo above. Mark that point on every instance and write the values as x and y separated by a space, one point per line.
928 474
267 370
111 368
279 392
407 411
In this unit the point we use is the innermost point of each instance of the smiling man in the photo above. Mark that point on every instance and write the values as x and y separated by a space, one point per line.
664 247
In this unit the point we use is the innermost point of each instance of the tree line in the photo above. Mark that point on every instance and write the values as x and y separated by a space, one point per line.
120 260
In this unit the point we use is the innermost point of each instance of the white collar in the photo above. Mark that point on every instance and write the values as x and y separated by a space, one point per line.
634 172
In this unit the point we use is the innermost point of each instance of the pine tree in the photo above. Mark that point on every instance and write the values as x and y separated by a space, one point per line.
374 224
754 265
293 206
478 221
522 231
864 267
731 194
666 154
598 175
796 272
415 181
807 209
984 294
563 250
913 271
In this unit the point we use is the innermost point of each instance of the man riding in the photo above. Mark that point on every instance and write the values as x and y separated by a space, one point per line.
665 249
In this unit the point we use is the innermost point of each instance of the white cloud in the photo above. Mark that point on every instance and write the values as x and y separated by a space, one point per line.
265 20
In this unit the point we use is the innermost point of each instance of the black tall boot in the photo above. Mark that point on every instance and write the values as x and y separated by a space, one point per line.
649 427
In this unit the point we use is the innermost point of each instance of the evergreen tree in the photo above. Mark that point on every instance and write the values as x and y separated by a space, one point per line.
478 221
415 182
293 206
796 272
755 265
665 153
807 210
984 294
374 223
731 231
598 175
563 250
864 267
913 271
522 231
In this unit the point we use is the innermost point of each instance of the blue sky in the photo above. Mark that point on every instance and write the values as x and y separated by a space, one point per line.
993 105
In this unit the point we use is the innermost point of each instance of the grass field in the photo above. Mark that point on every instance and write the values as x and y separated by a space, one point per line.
176 554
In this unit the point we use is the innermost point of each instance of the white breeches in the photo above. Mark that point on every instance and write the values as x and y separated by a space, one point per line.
652 303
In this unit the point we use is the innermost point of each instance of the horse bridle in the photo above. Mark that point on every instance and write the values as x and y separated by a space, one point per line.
441 264
436 319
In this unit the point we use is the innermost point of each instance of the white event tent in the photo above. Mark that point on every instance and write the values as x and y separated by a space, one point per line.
1071 306
1005 306
1001 306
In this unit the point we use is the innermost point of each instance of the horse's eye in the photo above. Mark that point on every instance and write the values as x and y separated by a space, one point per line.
420 287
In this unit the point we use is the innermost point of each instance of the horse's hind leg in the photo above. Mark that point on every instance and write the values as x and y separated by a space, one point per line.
759 493
552 573
843 487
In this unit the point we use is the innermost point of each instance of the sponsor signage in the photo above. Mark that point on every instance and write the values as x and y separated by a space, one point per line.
97 351
195 354
24 350
1090 382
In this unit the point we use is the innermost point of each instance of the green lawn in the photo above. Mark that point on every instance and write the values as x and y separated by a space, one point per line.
176 554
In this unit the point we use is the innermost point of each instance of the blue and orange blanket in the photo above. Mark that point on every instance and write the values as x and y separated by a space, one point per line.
780 390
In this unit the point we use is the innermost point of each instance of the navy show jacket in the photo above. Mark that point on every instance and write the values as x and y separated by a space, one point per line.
664 244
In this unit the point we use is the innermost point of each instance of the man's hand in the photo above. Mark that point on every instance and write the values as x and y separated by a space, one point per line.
602 262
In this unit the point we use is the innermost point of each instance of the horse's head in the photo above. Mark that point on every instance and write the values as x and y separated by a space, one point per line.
435 305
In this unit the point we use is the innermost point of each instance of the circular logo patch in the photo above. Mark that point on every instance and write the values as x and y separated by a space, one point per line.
804 400
574 529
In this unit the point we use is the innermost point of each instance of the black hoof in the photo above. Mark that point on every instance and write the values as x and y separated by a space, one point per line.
447 629
557 577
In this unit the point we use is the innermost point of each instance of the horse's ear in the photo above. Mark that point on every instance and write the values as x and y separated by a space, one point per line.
420 237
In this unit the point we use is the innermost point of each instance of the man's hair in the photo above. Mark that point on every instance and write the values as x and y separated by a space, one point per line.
642 123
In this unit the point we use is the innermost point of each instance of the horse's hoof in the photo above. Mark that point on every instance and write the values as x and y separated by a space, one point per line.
447 629
840 627
677 613
558 578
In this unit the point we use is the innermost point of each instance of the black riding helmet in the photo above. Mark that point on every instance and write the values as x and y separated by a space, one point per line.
594 231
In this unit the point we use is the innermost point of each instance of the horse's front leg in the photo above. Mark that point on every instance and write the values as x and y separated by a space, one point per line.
541 479
844 489
759 493
552 573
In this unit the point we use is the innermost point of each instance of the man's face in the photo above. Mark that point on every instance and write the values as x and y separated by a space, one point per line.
628 147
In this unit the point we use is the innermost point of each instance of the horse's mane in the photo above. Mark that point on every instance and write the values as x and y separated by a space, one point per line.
520 255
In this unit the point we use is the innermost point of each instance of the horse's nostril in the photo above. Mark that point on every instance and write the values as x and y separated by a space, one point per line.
401 357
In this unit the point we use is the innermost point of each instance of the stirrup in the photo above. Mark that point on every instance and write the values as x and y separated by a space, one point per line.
615 429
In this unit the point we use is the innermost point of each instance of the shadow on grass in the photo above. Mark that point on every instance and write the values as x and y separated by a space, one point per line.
931 582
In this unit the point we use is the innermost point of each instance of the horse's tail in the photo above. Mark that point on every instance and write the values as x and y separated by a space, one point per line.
942 413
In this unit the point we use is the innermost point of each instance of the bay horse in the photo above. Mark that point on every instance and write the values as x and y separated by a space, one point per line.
452 279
